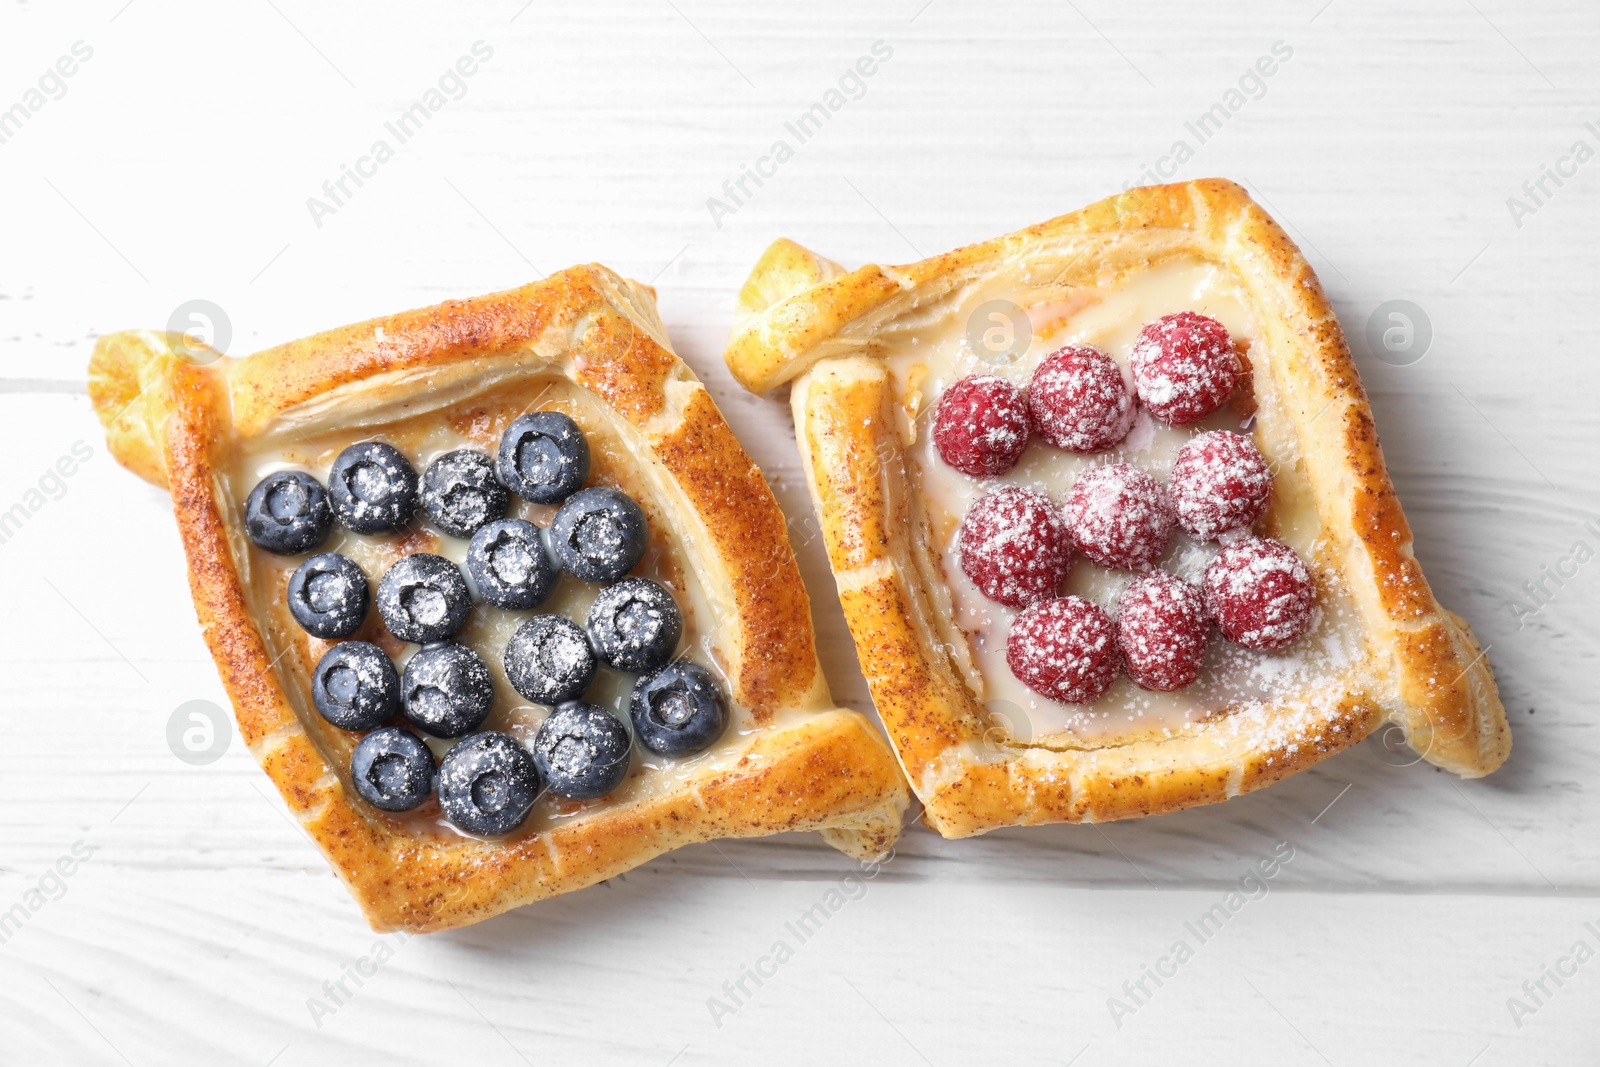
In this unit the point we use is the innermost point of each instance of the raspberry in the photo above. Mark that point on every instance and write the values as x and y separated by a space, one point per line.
982 426
1219 483
1079 400
1183 367
1065 649
1162 630
1260 593
1120 517
1015 547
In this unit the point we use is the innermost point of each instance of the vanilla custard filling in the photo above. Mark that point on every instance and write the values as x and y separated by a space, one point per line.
477 422
933 349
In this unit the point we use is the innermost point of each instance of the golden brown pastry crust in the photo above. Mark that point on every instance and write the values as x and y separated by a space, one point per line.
179 422
803 319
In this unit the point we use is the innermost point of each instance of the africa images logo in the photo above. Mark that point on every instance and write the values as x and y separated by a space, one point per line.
451 85
1255 885
851 85
50 85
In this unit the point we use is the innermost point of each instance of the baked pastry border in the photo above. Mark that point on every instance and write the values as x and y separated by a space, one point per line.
803 319
174 419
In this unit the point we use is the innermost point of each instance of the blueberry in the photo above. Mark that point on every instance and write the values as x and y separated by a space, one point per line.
392 769
581 751
447 689
544 457
373 488
509 565
679 710
328 596
599 534
635 625
460 493
287 513
423 598
487 784
548 660
354 686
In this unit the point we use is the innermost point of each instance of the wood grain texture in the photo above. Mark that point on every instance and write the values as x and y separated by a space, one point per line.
1387 146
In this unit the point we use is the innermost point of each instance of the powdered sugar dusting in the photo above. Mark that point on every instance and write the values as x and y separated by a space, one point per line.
1079 400
1184 367
1065 649
1219 483
1120 517
1015 546
1260 593
1162 629
564 653
982 425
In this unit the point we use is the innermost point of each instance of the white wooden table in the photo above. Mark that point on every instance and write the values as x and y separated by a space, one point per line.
175 163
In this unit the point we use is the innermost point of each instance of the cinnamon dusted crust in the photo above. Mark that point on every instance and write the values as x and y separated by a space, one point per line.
182 419
804 320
